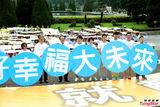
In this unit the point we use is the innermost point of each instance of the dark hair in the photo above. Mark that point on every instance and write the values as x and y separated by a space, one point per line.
128 33
61 36
116 33
104 35
90 39
141 37
80 37
23 44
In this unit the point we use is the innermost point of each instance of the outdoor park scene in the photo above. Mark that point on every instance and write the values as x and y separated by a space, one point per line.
84 53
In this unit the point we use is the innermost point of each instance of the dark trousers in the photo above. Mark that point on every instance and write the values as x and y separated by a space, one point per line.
65 77
44 75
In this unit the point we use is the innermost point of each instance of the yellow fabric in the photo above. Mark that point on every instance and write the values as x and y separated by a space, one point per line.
115 74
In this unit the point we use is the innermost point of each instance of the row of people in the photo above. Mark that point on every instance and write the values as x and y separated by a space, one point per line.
41 46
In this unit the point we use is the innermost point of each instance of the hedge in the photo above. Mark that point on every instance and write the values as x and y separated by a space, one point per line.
80 19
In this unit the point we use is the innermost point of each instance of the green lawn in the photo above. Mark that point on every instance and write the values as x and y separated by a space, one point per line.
66 26
128 25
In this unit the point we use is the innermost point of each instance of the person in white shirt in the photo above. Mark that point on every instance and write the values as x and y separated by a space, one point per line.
115 76
141 40
100 48
24 48
79 42
62 41
39 49
130 44
91 43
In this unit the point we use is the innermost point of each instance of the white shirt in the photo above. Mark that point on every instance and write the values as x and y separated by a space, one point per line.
66 44
76 45
130 44
39 49
2 50
102 44
24 51
92 45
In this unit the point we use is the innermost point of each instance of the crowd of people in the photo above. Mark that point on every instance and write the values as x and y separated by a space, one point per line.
128 39
42 45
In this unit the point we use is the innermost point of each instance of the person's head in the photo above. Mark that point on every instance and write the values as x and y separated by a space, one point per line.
137 34
115 34
26 26
104 37
79 39
42 26
91 40
48 26
41 39
62 39
24 46
128 36
141 39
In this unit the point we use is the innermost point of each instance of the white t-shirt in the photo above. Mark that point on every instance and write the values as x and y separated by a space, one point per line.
76 45
101 45
66 44
130 44
39 49
92 45
24 51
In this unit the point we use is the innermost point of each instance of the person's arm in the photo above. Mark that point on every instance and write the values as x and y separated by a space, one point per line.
99 49
36 51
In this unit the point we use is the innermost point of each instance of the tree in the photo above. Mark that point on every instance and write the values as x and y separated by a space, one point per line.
24 11
101 19
85 19
70 4
50 13
136 9
153 13
73 5
87 5
55 7
62 6
7 13
40 14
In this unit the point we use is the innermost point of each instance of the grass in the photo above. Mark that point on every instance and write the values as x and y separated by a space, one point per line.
128 25
66 26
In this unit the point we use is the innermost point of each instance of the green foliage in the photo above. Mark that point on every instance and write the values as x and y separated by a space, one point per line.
89 25
81 19
137 9
24 11
62 6
7 13
87 5
55 7
73 24
92 23
72 5
113 22
40 14
153 13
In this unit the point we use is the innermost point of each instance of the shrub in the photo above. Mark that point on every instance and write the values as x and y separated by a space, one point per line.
80 19
113 22
73 24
